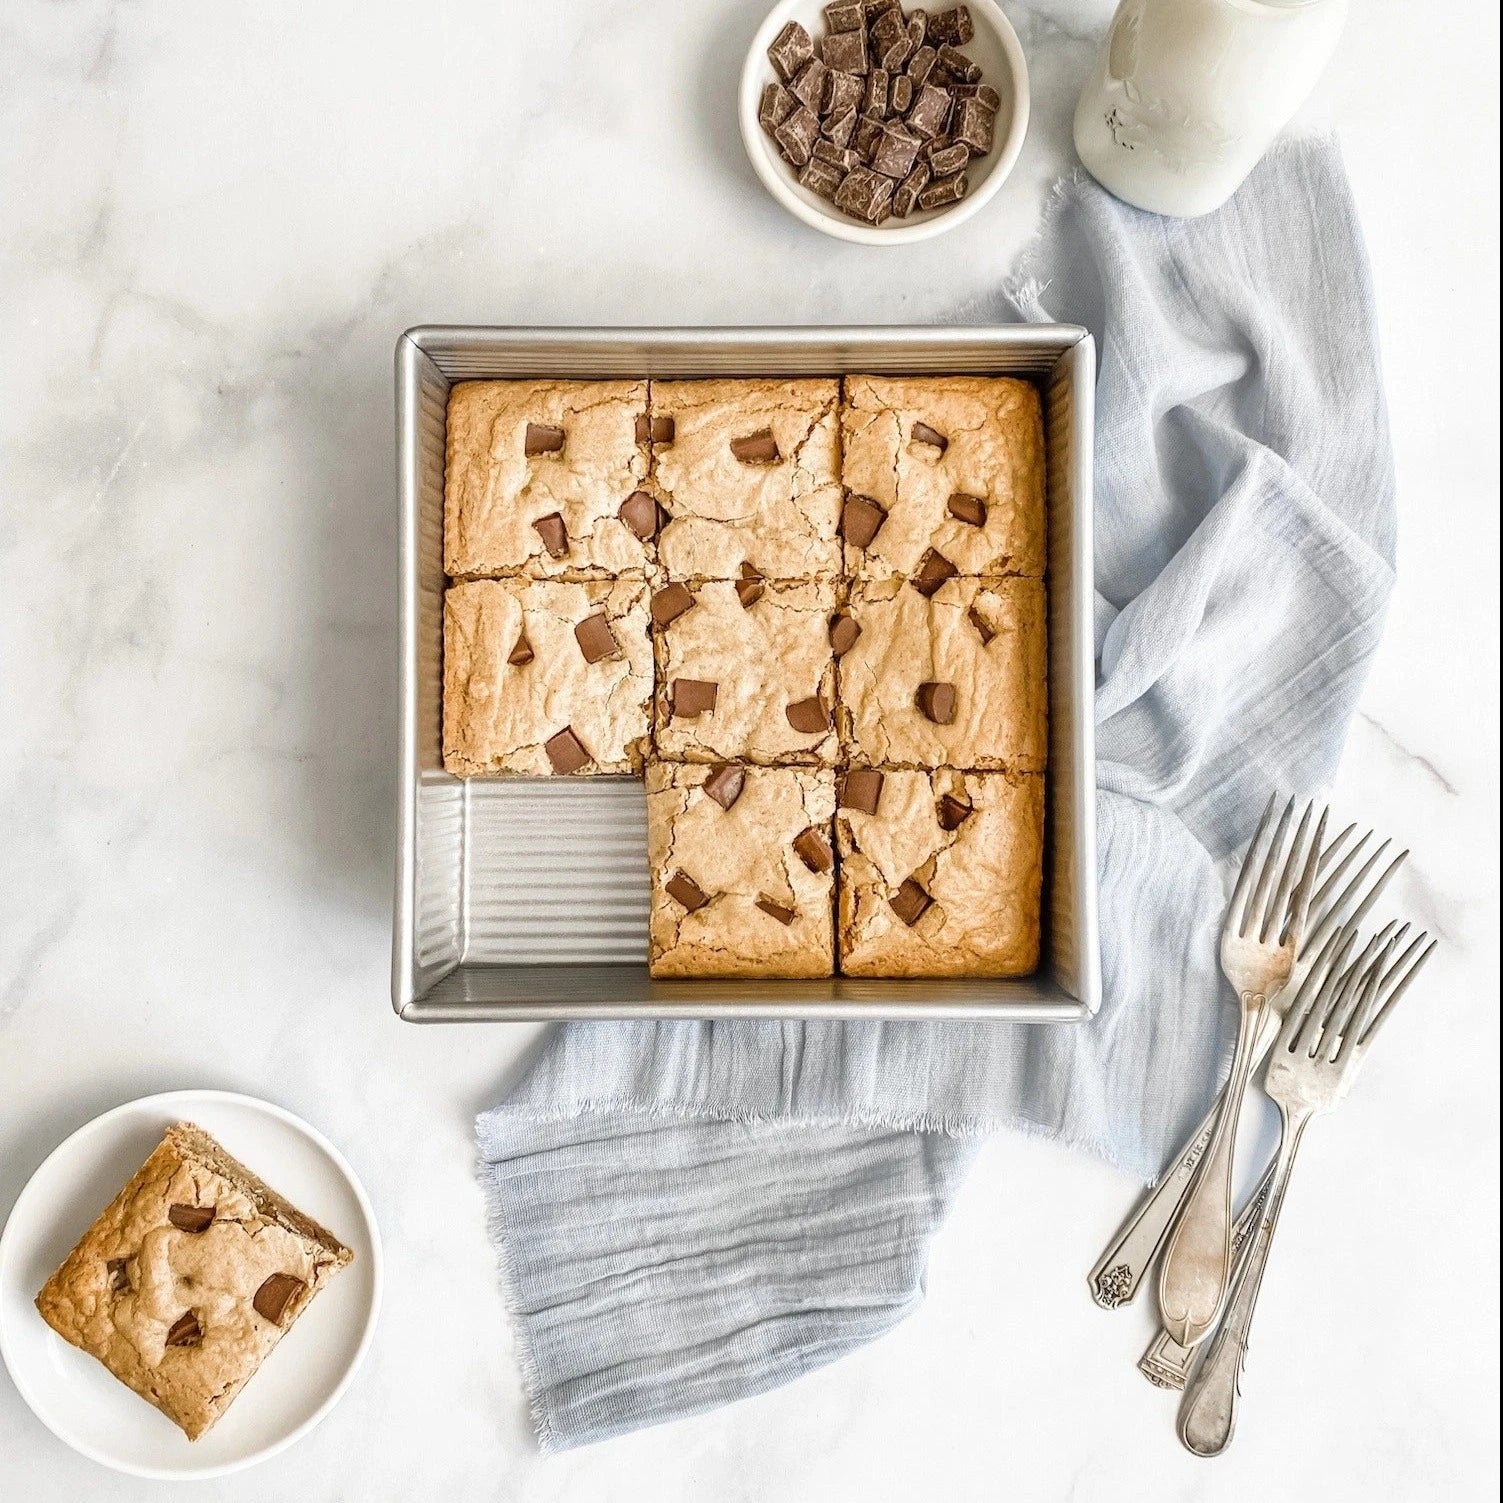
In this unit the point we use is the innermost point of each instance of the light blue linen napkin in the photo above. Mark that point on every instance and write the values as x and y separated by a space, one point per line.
688 1213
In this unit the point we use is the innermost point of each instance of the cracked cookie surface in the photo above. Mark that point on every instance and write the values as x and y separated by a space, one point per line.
765 910
495 492
500 715
989 453
984 638
971 844
781 516
189 1278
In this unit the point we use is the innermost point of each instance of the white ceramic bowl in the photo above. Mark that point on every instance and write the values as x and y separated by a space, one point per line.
301 1380
995 47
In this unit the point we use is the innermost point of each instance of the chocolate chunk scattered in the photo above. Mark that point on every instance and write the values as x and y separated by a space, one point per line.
875 103
952 26
776 910
983 93
984 627
948 190
839 157
861 520
900 94
809 87
725 783
691 697
959 66
845 15
905 200
682 888
933 570
185 1331
841 128
918 26
542 438
949 159
808 716
974 126
275 1295
844 629
910 902
811 847
861 789
641 515
952 813
921 65
924 434
191 1218
937 702
756 448
657 430
892 45
970 509
522 653
566 751
843 91
119 1272
931 109
821 177
554 534
669 603
750 587
797 135
845 51
790 50
896 151
596 639
868 133
776 105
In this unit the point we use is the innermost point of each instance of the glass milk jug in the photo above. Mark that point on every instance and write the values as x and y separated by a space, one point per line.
1187 95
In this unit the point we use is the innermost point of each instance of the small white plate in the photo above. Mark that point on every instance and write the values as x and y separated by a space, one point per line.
995 47
302 1379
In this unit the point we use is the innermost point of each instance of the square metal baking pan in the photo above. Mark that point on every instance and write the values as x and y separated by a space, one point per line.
527 898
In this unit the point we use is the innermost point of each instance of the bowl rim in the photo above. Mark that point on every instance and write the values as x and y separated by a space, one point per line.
770 171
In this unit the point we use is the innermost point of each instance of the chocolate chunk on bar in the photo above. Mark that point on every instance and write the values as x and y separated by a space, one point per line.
684 889
948 190
844 629
639 512
809 717
542 438
811 847
669 603
821 177
860 520
790 50
845 50
931 110
896 151
922 433
275 1295
781 912
757 448
522 653
936 702
188 1218
751 587
910 902
725 783
776 106
554 533
797 135
984 629
865 194
861 788
596 639
692 697
933 570
843 91
185 1331
951 812
846 15
974 126
950 159
968 509
566 752
952 26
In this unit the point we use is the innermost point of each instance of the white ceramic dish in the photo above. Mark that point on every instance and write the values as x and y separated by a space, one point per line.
995 47
73 1395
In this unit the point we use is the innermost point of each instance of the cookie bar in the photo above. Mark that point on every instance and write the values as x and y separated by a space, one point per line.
189 1278
742 870
749 476
946 674
541 478
950 463
546 676
745 671
940 873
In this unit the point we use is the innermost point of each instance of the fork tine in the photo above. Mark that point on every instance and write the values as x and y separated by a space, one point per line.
1272 924
1333 997
1266 874
1334 848
1334 913
1323 893
1327 964
1302 1023
1339 1032
1370 1027
1234 908
1300 903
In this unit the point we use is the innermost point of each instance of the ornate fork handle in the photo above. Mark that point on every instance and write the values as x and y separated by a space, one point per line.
1208 1411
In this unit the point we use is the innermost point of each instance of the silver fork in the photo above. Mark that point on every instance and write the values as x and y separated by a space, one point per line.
1265 922
1339 900
1317 1056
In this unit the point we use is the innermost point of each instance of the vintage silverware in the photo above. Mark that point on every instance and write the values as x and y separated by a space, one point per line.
1265 922
1317 1056
1340 900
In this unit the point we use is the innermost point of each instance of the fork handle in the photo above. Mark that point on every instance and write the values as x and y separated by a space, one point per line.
1198 1263
1208 1411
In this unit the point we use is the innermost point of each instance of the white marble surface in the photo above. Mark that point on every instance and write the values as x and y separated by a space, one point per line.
214 220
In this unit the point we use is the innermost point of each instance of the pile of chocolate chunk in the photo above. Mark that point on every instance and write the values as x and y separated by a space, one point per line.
887 116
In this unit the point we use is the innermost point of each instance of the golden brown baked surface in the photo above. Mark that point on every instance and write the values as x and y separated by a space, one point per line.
189 1278
500 715
739 858
495 492
992 451
781 516
984 637
977 884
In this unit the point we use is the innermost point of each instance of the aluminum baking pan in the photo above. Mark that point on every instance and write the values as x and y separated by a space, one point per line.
527 898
